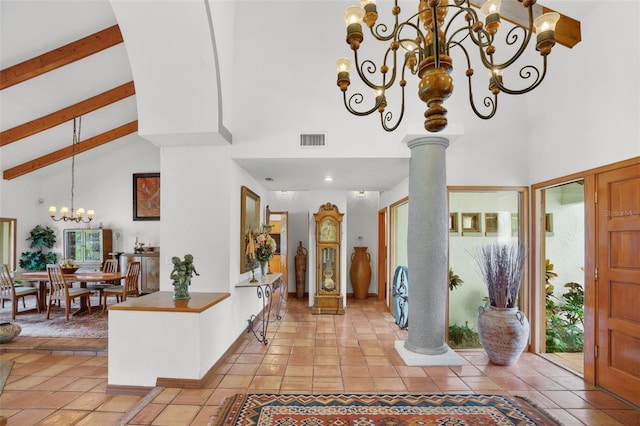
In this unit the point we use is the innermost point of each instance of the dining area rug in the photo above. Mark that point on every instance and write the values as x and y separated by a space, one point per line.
369 409
34 324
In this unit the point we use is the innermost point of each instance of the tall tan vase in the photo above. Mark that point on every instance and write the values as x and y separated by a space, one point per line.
360 272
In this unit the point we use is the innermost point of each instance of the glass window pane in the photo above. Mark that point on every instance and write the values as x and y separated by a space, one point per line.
92 245
485 216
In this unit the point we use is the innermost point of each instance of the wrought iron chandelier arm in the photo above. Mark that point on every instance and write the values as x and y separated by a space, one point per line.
510 39
381 31
370 68
387 117
466 30
356 99
525 73
491 104
488 102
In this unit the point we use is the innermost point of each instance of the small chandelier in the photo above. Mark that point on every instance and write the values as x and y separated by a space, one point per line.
76 215
422 45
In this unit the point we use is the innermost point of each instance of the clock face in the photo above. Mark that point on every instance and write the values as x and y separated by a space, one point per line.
328 231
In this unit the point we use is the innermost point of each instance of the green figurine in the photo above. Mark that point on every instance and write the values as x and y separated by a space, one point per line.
181 275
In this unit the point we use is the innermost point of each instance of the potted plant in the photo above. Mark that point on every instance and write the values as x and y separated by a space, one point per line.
41 238
502 328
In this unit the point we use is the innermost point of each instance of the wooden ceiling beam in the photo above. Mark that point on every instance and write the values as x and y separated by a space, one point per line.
66 114
567 29
64 153
60 57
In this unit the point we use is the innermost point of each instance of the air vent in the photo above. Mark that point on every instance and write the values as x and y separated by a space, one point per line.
312 139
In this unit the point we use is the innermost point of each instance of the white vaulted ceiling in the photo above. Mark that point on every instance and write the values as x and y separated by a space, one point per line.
181 96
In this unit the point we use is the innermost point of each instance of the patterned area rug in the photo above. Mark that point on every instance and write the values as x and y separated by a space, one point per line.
397 410
35 324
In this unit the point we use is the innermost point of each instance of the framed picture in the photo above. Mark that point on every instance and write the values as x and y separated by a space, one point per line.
548 222
146 196
491 223
453 222
471 222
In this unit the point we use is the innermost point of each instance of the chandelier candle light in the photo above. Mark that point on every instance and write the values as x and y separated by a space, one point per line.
422 44
64 211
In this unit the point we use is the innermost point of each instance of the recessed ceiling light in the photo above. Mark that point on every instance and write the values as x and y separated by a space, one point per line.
328 179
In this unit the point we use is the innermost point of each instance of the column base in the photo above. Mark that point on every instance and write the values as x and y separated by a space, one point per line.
415 359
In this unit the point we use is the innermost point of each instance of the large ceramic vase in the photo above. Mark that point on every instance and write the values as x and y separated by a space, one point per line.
360 272
503 333
301 270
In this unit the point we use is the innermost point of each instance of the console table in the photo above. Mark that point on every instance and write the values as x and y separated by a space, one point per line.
265 288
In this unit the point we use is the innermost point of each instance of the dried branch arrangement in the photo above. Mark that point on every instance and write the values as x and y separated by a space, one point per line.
501 265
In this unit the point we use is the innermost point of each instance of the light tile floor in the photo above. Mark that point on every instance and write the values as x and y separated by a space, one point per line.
306 353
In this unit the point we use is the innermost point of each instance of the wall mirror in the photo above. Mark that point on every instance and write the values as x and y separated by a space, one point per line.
249 222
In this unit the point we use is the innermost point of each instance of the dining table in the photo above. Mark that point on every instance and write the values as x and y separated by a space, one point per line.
41 278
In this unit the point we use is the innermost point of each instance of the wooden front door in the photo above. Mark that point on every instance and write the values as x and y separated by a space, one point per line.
618 282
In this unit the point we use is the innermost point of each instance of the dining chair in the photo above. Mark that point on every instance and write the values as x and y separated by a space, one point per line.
60 290
9 291
130 287
111 266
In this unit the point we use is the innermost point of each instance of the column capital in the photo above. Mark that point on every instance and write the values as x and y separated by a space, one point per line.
428 140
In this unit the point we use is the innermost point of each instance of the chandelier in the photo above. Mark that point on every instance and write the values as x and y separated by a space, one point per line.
421 45
76 215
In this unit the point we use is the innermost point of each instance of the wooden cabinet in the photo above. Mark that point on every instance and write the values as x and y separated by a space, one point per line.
87 246
149 280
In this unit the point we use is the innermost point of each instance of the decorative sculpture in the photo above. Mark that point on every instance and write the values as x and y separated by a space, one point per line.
181 275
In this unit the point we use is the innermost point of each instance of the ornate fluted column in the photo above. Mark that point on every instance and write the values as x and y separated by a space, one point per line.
428 252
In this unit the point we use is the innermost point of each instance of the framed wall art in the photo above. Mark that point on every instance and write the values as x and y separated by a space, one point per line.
146 196
491 223
453 222
471 223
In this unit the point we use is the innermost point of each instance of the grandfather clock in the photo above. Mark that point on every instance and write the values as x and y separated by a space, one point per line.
328 298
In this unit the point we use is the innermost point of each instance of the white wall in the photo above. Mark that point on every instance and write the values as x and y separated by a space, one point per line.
362 214
596 120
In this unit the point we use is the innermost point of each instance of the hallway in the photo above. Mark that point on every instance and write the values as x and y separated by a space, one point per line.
351 353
